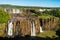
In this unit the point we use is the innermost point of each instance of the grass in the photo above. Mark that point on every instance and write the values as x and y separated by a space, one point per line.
45 16
42 15
2 30
51 34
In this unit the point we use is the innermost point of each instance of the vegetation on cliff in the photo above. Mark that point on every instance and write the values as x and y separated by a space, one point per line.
4 16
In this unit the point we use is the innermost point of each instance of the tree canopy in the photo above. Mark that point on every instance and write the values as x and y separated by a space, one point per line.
4 16
55 12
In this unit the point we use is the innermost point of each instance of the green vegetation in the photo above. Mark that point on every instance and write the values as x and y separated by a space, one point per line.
2 29
47 14
4 16
41 15
53 12
16 6
47 33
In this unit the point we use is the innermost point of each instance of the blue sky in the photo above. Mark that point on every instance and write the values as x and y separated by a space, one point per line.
40 3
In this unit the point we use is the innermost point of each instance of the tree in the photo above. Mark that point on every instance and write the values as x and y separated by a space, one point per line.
56 13
4 16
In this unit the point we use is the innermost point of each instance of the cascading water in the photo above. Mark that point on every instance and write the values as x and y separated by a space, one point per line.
16 11
33 29
41 29
10 29
41 25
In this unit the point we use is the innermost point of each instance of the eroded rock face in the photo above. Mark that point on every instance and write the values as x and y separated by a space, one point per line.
24 26
50 23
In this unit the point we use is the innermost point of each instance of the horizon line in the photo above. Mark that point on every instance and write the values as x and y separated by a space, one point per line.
29 5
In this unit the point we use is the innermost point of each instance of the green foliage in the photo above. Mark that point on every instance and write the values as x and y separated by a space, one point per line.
16 6
45 14
53 12
3 16
47 33
2 28
56 13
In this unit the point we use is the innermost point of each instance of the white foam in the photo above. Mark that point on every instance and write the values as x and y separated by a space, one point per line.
33 29
41 29
10 29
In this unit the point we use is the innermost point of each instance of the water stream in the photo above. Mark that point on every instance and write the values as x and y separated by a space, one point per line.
10 29
41 29
33 29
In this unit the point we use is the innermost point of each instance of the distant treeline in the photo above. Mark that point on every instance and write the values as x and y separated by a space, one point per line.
16 6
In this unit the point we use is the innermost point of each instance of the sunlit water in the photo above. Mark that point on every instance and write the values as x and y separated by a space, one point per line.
16 11
10 29
41 29
33 29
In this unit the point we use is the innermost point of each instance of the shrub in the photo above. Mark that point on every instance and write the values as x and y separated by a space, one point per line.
4 16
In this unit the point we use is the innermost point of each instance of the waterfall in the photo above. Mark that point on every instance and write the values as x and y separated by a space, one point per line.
13 10
41 29
10 29
32 29
16 11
